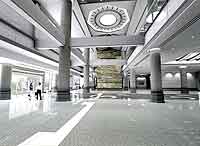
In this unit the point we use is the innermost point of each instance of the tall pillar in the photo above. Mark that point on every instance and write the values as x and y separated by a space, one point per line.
123 54
93 79
63 91
132 81
5 81
184 87
86 70
197 79
156 77
125 81
148 81
43 82
57 82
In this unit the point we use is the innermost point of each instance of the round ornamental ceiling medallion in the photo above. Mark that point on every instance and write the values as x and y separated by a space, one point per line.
108 18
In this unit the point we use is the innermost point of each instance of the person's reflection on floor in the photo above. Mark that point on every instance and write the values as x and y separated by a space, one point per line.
30 91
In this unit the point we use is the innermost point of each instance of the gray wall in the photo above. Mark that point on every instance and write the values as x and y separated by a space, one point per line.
172 80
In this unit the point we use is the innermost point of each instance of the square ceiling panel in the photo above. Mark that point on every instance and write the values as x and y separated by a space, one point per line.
121 10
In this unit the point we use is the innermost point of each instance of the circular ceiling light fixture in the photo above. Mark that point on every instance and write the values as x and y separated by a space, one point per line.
108 18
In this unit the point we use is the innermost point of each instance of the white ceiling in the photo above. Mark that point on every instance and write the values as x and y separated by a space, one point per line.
186 42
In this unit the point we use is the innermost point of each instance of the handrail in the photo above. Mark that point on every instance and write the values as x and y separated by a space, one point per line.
150 8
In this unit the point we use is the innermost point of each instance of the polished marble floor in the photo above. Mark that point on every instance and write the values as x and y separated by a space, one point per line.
112 121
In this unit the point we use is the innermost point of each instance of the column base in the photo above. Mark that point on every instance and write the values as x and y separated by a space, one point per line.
132 90
63 96
86 90
157 96
184 91
5 95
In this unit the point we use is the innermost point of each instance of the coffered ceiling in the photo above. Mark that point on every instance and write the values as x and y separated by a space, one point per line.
111 9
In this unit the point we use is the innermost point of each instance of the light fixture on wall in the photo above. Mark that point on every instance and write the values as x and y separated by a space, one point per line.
169 75
189 75
177 75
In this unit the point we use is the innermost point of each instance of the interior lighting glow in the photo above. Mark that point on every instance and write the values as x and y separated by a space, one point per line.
108 19
177 75
154 50
26 53
183 66
189 75
169 75
141 78
4 60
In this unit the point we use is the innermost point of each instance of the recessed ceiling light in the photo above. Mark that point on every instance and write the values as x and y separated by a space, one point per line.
108 19
154 50
183 66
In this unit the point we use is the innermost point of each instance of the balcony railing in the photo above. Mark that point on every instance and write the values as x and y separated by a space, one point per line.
154 9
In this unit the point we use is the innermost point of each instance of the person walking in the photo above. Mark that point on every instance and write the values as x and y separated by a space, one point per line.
39 91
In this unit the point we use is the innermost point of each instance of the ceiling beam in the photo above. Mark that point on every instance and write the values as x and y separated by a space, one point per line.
77 54
138 18
108 41
80 18
118 62
28 10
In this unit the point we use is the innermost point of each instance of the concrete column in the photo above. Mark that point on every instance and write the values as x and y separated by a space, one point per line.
43 82
148 81
132 81
86 70
156 77
63 92
125 81
184 87
123 54
93 80
197 79
5 81
57 81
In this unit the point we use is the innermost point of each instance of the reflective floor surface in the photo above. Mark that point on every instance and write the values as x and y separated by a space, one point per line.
109 122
